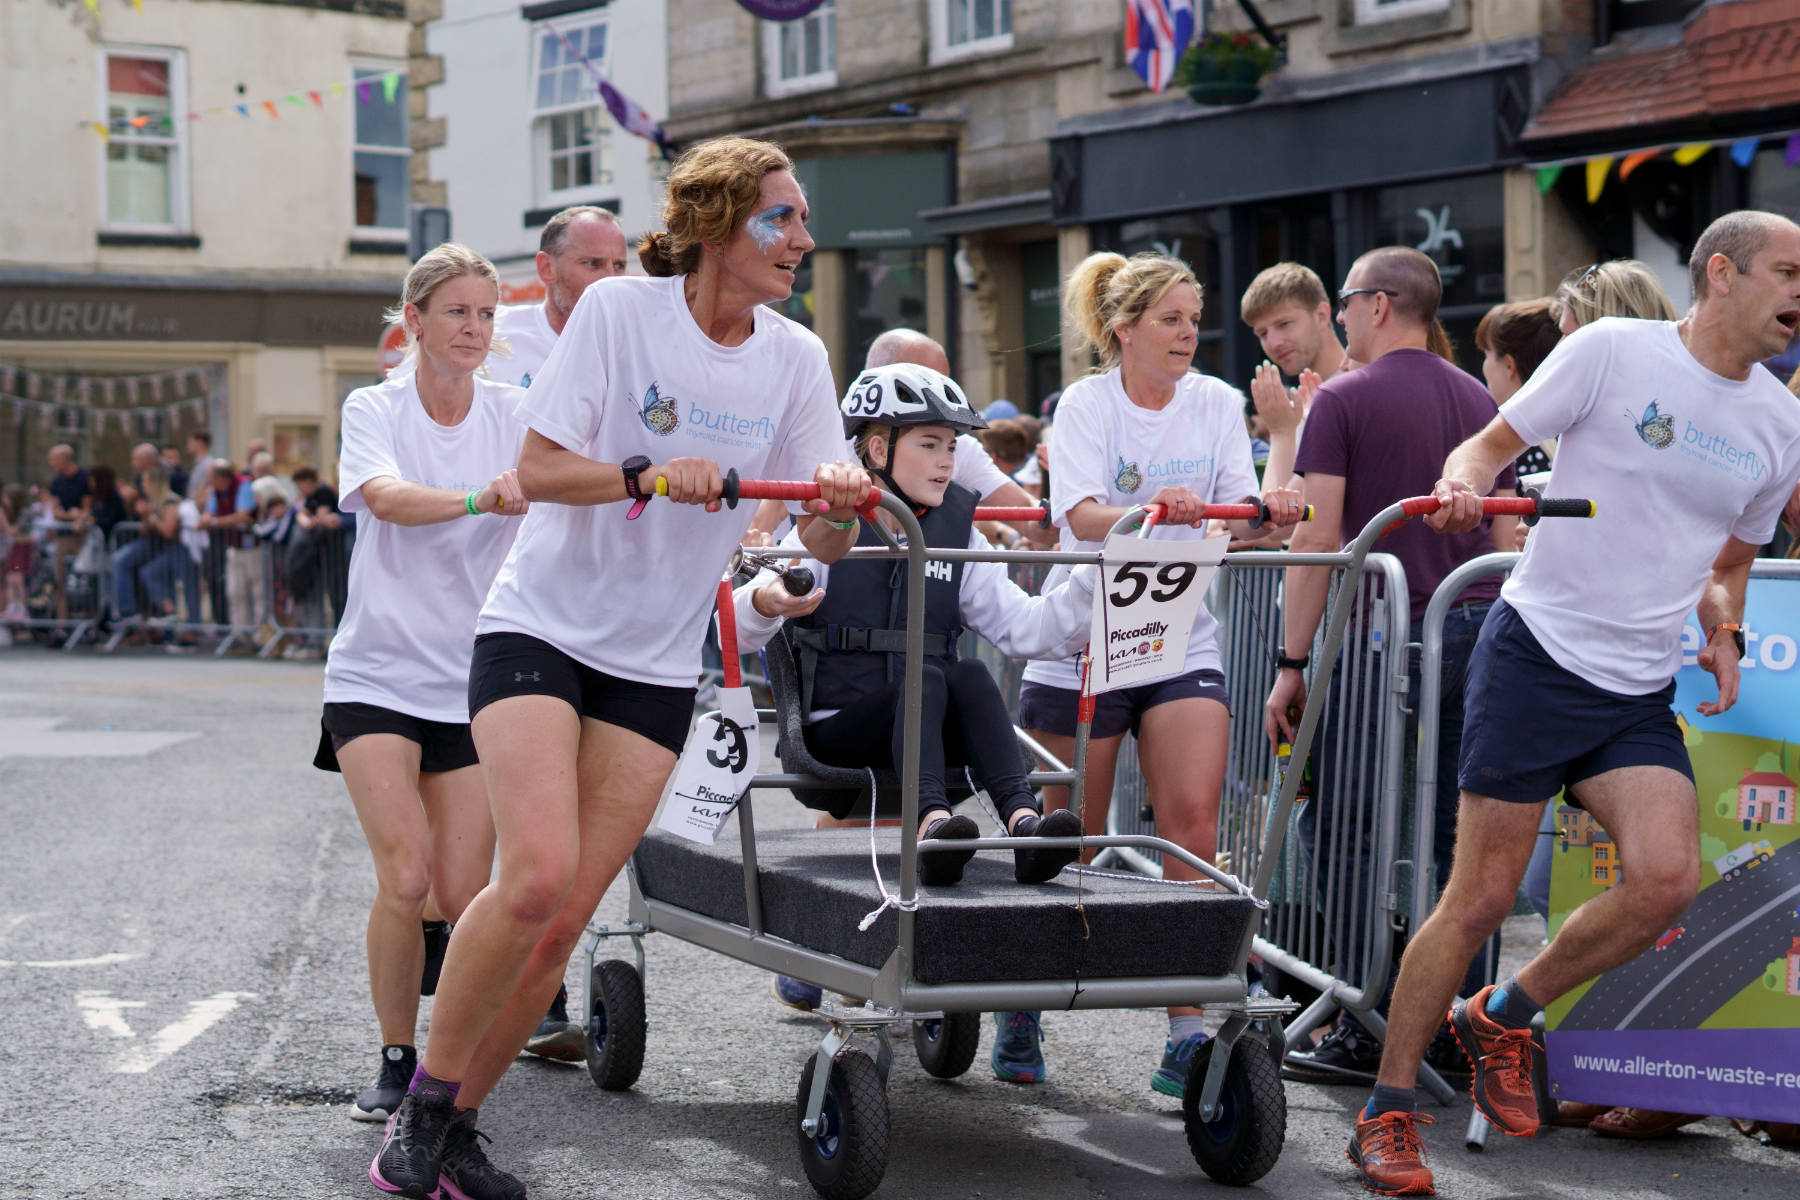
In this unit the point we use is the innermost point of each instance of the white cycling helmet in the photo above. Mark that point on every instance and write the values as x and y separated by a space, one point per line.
902 394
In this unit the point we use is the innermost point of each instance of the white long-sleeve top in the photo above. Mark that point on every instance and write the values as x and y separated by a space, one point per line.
1020 625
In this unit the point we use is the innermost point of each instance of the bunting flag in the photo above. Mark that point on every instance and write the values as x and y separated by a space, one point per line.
1597 171
631 116
1743 151
1157 33
1633 161
1692 153
307 99
22 393
1547 177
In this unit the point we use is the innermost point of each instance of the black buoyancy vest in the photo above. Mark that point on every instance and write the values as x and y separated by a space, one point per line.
854 644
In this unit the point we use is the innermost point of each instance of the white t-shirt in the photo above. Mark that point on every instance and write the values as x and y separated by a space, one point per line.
527 331
408 629
974 469
1108 449
633 374
1019 624
1675 458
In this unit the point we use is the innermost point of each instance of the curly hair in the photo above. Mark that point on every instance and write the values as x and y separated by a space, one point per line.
713 188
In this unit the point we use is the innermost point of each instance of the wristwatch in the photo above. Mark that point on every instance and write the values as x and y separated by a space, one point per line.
1737 635
1284 663
632 467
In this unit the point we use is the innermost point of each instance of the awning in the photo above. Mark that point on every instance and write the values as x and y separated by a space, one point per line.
995 212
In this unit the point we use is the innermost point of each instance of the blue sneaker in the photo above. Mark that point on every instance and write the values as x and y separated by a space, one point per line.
1016 1057
796 994
1171 1078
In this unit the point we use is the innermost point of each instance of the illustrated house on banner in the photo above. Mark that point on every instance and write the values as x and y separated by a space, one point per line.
1607 871
1765 797
1574 827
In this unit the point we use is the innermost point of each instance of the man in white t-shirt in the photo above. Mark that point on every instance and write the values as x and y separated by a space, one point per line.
1688 451
578 246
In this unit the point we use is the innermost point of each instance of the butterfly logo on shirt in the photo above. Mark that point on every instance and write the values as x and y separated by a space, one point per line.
658 413
1657 429
1129 478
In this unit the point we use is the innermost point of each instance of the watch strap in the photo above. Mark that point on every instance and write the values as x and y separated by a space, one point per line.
1284 663
631 469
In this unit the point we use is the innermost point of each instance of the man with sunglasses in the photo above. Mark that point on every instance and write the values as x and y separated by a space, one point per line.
1688 451
1376 435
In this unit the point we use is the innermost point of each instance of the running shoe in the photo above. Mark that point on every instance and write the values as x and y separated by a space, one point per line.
381 1099
1171 1077
1041 866
412 1152
1017 1057
1348 1054
1390 1154
437 940
942 870
796 993
466 1173
558 1038
1505 1062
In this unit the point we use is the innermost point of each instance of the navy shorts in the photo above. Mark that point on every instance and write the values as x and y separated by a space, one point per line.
443 745
517 664
1052 709
1532 728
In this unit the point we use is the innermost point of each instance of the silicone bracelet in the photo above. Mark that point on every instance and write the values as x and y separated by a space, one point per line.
469 501
840 526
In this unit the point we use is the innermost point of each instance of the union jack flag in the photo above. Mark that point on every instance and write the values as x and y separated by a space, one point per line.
1156 34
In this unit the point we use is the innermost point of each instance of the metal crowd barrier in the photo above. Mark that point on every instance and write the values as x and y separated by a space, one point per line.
62 603
280 589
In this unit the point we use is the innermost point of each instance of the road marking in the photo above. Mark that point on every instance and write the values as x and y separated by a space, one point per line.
38 737
99 960
1695 957
105 1013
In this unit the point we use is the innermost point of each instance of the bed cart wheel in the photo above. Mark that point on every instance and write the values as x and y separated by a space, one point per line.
1241 1143
615 1031
846 1156
947 1044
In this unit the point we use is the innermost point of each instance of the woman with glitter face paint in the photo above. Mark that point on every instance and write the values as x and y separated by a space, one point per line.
579 709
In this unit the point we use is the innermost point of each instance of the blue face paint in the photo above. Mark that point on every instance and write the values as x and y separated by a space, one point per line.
765 228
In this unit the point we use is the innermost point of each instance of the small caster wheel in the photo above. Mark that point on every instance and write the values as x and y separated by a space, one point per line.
846 1156
615 1032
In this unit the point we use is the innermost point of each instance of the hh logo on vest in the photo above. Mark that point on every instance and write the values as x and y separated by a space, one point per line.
938 569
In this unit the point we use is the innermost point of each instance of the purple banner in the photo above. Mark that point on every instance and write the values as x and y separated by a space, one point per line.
1751 1073
780 10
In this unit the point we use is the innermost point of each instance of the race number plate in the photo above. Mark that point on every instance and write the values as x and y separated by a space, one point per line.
721 757
1144 607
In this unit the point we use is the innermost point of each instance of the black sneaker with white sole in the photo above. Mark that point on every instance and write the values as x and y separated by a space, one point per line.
379 1100
412 1153
466 1173
1348 1054
558 1038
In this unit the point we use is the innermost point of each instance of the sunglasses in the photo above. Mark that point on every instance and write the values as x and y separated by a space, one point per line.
1345 296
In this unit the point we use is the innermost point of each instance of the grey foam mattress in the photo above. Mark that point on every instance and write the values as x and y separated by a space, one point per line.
816 885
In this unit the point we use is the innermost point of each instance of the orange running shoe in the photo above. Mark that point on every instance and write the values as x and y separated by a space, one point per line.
1390 1155
1505 1062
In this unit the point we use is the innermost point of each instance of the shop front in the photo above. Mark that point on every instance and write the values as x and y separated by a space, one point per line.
103 364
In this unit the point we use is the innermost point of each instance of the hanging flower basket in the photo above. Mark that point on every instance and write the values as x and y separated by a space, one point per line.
1224 68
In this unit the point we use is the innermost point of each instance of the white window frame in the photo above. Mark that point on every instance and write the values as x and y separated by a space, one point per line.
943 51
180 213
378 233
1370 12
605 184
775 84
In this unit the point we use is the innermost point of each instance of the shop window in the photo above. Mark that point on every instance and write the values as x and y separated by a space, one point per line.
571 136
801 55
1373 12
1193 237
965 27
1460 224
294 446
382 155
886 291
145 150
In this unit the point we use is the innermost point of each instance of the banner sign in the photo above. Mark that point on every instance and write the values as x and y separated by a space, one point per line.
1707 1020
1144 607
715 770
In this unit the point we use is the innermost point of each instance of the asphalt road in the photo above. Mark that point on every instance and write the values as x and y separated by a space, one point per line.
181 976
1730 934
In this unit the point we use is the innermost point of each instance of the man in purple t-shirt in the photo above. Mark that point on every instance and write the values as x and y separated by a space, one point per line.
1376 435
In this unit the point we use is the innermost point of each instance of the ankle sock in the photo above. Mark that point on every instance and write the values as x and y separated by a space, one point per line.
1183 1028
1386 1100
1511 1006
419 1076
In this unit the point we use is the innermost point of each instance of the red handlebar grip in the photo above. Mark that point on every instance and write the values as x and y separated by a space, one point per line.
728 643
776 489
1012 514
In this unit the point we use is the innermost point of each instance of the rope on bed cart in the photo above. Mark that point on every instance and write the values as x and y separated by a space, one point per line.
888 900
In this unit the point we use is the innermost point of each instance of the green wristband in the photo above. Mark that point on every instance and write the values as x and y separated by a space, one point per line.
469 501
840 526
